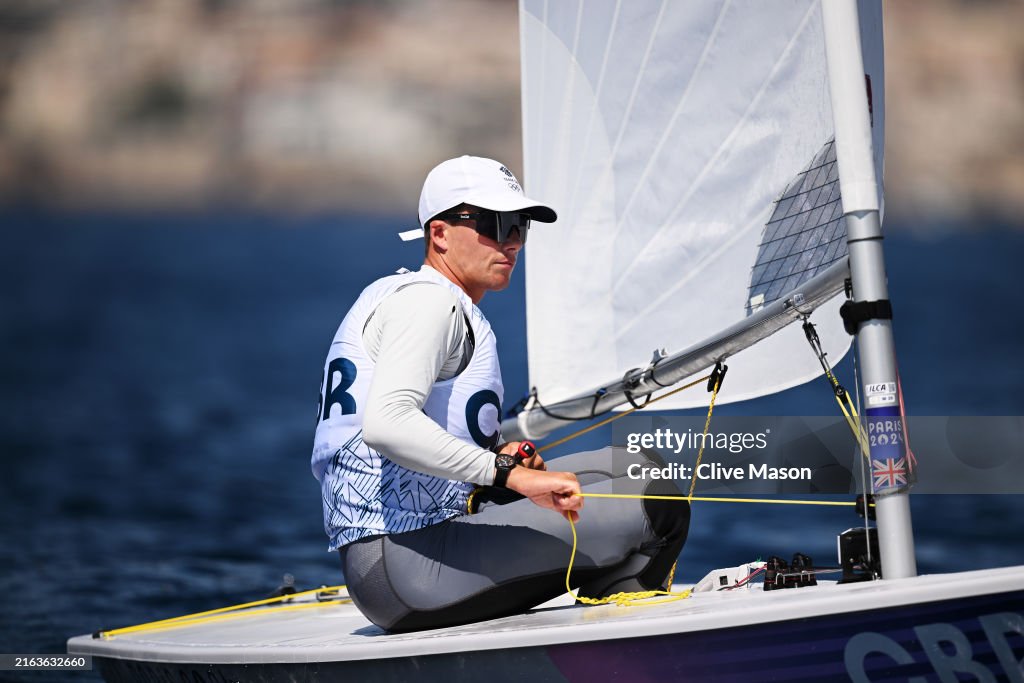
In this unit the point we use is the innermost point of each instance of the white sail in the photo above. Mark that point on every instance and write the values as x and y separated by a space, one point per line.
686 146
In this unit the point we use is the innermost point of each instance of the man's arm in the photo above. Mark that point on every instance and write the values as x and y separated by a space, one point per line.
417 332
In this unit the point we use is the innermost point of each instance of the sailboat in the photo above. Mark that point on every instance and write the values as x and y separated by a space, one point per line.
717 166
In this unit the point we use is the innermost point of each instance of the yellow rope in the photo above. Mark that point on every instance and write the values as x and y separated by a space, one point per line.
624 599
852 418
469 501
628 599
707 424
631 598
231 612
719 500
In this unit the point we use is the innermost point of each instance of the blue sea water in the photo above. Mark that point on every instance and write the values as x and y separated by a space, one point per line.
159 380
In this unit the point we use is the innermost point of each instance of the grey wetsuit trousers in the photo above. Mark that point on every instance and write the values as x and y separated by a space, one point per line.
508 558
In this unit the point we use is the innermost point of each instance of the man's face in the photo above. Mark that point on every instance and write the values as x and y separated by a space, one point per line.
479 264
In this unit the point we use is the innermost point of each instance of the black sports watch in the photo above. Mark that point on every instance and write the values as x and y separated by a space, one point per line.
503 463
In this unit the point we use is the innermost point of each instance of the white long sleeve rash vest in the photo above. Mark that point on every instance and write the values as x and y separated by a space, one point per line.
417 336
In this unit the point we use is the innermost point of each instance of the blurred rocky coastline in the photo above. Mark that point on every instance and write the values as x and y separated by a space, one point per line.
324 105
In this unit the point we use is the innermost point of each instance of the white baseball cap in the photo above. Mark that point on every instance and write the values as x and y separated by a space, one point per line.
484 183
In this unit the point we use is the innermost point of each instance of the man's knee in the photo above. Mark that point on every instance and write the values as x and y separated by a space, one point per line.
669 519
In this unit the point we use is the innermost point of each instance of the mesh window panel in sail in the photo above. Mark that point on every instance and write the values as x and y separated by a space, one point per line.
805 234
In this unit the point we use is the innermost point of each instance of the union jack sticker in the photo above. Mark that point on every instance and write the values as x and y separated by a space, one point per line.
889 473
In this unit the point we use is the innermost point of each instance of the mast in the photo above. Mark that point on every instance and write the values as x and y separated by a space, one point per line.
877 357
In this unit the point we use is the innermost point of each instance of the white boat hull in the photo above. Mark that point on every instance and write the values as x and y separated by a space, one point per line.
969 623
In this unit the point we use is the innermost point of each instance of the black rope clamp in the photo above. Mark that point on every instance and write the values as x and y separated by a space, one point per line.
854 313
631 377
717 376
865 505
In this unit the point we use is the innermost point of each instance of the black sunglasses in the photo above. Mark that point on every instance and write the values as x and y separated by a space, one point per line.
496 225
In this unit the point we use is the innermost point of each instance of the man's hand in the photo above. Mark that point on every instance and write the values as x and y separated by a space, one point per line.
553 490
534 462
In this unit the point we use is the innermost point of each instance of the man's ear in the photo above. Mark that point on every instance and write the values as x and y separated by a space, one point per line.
438 236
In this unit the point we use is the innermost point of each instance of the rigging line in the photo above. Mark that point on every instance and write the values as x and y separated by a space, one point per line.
717 375
191 618
181 621
653 242
621 415
853 419
851 415
711 499
625 598
856 373
631 598
911 459
570 405
866 480
861 433
744 581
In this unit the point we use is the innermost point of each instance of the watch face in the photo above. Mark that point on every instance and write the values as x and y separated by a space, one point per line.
505 461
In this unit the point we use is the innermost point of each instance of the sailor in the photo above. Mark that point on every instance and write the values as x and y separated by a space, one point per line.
408 439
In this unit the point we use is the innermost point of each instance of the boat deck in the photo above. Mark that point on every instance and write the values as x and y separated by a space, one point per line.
338 632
